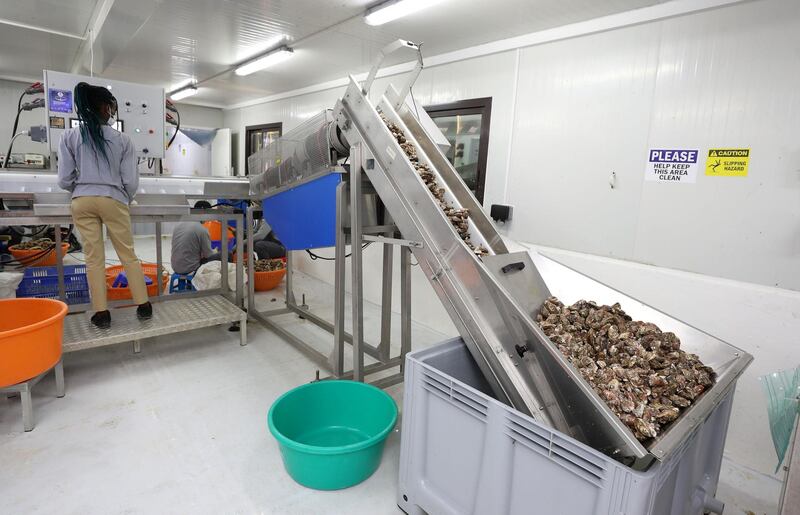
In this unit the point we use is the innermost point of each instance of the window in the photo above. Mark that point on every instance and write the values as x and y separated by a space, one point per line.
465 124
258 137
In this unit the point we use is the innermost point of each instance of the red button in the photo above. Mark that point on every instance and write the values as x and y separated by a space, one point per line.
151 131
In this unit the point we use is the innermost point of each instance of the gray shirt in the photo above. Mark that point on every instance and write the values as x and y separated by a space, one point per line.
190 245
86 173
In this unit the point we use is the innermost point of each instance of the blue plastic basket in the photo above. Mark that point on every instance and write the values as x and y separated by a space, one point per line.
72 297
44 280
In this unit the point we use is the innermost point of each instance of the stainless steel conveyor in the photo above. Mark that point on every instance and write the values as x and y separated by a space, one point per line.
492 299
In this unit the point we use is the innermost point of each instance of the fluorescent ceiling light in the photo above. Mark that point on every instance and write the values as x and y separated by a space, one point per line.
395 9
183 93
270 59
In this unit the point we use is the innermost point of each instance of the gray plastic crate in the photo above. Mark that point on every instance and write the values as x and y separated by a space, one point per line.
463 452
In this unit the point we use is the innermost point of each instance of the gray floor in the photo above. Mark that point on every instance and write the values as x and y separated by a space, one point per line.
179 428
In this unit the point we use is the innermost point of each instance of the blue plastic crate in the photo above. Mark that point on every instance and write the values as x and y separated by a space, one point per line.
73 297
44 280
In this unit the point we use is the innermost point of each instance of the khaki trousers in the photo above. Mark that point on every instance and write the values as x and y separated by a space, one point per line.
89 215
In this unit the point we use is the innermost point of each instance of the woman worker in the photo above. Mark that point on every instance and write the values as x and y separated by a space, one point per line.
97 165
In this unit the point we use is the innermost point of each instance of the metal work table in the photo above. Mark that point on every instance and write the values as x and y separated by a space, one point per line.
172 313
182 314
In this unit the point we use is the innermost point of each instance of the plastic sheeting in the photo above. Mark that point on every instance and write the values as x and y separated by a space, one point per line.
209 276
783 398
8 284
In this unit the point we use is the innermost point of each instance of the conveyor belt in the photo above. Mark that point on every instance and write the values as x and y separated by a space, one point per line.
492 299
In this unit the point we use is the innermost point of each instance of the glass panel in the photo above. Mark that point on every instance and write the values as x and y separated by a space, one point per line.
463 131
270 136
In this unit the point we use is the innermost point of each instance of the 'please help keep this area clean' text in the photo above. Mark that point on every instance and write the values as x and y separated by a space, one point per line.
672 165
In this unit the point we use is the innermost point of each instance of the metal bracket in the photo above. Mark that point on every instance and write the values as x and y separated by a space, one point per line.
392 241
388 49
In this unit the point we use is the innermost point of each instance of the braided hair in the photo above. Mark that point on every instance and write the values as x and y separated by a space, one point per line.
89 102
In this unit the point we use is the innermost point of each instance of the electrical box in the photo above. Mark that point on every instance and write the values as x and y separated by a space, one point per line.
140 110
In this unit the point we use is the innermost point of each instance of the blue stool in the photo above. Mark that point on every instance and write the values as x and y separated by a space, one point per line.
181 283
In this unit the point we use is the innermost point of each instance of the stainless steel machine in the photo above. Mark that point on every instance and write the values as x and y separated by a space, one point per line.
492 299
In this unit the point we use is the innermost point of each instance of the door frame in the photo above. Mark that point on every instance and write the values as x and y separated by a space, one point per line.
250 128
482 106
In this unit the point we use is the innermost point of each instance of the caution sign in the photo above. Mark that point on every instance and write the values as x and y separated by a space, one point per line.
728 162
672 165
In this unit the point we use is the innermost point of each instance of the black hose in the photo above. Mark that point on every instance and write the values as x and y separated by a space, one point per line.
14 130
315 257
177 128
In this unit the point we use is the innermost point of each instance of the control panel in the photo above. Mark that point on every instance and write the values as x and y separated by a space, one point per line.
140 110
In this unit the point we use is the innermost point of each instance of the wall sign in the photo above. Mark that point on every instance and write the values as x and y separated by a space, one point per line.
672 165
60 100
728 162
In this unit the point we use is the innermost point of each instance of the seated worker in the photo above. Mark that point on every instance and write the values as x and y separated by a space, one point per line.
265 244
191 245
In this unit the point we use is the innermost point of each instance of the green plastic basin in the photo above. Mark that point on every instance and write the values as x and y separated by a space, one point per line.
331 433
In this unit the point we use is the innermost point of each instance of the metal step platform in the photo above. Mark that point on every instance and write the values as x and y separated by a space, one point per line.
168 317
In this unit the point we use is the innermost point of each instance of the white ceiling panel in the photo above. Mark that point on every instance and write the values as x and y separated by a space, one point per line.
25 53
202 39
70 16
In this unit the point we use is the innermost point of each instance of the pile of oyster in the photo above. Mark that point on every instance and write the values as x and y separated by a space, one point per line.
268 265
39 244
638 370
458 217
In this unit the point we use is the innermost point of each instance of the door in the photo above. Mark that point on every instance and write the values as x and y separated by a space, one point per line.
465 124
221 154
258 137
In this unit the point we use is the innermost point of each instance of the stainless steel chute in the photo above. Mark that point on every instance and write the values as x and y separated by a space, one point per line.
493 299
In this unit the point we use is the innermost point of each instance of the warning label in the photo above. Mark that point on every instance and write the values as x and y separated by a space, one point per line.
728 162
671 165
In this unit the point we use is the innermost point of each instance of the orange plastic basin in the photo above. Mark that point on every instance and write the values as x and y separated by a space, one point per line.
47 259
30 338
215 232
265 281
149 269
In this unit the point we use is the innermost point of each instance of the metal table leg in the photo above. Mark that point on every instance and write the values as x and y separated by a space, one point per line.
59 266
386 301
337 355
356 262
159 259
27 407
405 305
60 389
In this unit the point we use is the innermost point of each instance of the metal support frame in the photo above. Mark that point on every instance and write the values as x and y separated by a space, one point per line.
59 220
59 216
350 192
24 391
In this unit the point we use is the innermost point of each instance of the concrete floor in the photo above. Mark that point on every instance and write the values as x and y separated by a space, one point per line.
180 428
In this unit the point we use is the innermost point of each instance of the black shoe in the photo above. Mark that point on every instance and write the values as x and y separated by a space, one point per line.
102 319
144 311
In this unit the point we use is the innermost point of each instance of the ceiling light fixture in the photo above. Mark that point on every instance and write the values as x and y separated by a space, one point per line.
271 58
394 9
184 92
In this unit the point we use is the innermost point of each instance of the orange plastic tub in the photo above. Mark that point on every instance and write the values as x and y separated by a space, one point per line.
149 269
265 281
30 338
48 259
215 232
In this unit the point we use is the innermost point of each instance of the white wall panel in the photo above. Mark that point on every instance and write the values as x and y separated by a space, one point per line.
199 116
582 113
728 78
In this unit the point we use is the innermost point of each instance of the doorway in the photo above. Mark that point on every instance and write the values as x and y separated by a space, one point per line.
465 124
258 137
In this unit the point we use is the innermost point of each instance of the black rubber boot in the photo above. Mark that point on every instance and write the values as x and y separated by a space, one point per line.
144 311
102 319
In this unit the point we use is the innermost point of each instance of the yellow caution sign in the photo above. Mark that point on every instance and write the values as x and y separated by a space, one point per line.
728 162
